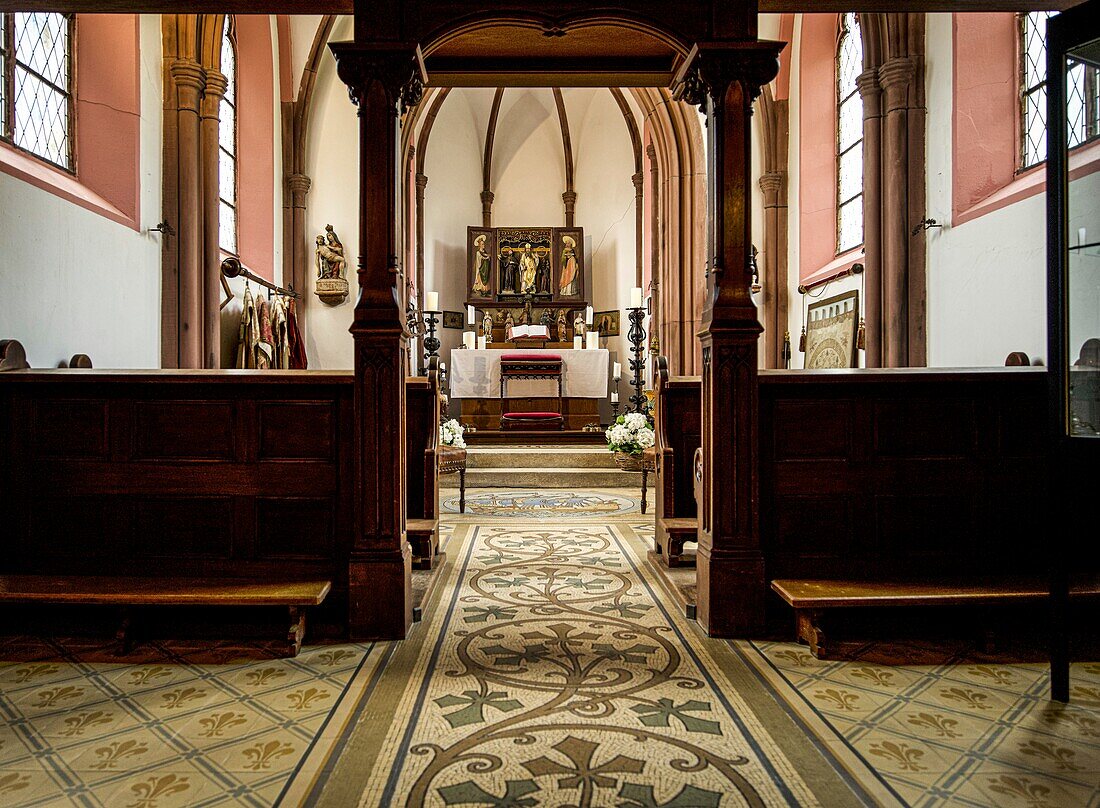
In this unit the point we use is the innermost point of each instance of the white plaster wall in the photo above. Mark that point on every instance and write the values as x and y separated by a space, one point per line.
332 162
987 277
74 282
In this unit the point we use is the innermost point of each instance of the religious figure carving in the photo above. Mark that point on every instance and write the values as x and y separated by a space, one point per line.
563 326
487 326
509 272
567 280
509 324
331 285
542 281
579 327
482 266
529 267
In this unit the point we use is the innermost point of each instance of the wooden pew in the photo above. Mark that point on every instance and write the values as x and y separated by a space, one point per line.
902 487
678 428
162 476
422 407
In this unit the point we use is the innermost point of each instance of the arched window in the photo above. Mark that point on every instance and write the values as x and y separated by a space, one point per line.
849 136
227 143
1082 99
36 102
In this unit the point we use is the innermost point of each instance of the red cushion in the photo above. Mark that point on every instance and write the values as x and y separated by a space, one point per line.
541 356
532 416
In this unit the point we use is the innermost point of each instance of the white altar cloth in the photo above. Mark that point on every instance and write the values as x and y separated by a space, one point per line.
476 374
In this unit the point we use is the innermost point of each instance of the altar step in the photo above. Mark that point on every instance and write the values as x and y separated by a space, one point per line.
538 467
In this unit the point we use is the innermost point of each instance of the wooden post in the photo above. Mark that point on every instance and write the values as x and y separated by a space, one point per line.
382 78
725 78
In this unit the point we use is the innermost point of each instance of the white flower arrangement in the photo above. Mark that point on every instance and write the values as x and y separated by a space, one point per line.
630 434
451 432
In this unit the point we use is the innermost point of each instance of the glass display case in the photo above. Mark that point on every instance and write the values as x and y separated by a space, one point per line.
1073 311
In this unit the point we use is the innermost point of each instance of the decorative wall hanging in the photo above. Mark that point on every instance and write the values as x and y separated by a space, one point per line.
607 323
332 284
453 319
831 328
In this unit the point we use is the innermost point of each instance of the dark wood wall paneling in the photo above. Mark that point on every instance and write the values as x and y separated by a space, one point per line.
891 473
185 473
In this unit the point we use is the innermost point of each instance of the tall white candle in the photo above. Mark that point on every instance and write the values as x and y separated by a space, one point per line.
468 339
593 340
578 343
1080 235
481 343
614 396
636 297
617 371
588 315
470 314
431 302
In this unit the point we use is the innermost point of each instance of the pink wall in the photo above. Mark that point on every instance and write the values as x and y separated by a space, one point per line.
817 144
255 132
108 118
783 80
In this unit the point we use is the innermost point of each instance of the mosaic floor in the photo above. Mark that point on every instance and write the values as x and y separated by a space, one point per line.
528 505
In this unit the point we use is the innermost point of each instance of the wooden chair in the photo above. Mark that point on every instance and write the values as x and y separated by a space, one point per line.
422 407
536 365
678 426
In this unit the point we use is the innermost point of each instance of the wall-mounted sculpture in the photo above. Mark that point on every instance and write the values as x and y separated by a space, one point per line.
331 284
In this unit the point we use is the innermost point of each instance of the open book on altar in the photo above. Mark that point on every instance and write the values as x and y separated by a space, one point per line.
528 332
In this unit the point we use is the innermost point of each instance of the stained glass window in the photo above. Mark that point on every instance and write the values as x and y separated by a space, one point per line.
849 136
227 144
1082 102
36 90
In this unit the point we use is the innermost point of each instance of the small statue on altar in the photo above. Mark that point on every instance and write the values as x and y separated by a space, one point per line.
525 317
509 324
487 326
579 328
563 326
547 319
509 270
528 267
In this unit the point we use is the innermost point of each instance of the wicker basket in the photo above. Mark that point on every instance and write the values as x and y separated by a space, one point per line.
628 462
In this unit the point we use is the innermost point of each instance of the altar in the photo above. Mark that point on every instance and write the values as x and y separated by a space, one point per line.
476 374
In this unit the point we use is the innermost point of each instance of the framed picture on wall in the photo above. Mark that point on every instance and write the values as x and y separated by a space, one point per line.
568 257
454 319
480 249
607 323
831 329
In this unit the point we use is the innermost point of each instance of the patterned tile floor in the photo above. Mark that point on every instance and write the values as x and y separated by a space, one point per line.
943 724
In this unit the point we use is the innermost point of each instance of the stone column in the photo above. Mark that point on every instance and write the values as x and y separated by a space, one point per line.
730 565
773 185
301 264
896 77
190 81
382 80
655 253
216 85
639 212
871 94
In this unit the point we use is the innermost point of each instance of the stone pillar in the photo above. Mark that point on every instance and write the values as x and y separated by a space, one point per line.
639 211
774 264
190 81
216 85
382 79
487 198
655 253
871 94
301 265
730 566
570 200
896 77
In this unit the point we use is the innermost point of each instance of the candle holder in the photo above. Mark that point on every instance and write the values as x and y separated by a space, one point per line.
636 335
615 404
431 342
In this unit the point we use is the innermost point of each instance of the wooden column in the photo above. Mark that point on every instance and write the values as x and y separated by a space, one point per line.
871 94
216 85
725 79
382 79
190 81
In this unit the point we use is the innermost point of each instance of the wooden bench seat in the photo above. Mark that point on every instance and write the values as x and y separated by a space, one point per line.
149 591
810 598
677 531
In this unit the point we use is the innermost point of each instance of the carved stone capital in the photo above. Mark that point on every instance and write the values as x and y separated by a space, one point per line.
487 197
214 92
717 65
770 184
651 152
896 75
421 181
190 80
868 85
638 179
570 199
299 185
396 67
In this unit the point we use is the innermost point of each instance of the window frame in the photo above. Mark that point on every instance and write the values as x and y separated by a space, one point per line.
1091 80
230 33
842 32
10 62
